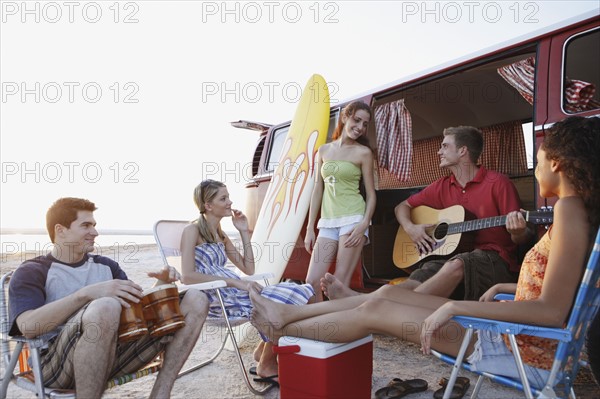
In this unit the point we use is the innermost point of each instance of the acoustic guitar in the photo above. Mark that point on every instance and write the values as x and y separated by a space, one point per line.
448 225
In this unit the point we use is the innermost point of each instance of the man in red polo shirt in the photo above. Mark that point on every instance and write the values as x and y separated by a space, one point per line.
486 258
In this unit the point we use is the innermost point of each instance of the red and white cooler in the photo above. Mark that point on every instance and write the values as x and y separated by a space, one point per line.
313 369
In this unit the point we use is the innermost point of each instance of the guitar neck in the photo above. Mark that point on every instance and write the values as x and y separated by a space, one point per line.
478 224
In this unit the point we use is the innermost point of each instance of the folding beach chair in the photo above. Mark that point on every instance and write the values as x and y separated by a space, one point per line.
167 234
29 378
570 340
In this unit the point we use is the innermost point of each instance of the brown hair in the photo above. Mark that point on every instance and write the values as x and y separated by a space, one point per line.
348 111
64 212
467 136
575 143
205 192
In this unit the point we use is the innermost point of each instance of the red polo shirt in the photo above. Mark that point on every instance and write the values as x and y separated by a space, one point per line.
488 194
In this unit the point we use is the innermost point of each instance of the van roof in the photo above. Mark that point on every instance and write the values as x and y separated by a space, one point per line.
497 48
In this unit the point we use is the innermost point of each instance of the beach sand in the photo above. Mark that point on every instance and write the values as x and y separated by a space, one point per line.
222 379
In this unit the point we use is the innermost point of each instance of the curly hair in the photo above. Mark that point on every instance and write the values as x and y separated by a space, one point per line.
575 143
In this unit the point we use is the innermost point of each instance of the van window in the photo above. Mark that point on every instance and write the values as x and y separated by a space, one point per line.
581 79
479 96
279 138
276 145
528 138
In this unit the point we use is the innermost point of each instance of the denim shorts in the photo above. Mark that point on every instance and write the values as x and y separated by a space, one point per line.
493 356
334 233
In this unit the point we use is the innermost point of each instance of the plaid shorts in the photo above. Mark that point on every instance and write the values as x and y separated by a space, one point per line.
57 361
482 270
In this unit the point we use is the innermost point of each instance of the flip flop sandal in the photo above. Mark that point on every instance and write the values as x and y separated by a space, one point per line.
458 390
270 379
397 388
252 370
417 384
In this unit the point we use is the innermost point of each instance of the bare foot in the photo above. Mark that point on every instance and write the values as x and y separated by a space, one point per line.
334 289
267 316
267 367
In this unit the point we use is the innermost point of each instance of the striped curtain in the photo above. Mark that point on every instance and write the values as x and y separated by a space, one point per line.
579 96
393 126
520 75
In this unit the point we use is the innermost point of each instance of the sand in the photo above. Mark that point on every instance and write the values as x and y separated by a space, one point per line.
222 378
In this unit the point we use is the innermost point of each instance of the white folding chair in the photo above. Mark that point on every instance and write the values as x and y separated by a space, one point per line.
167 234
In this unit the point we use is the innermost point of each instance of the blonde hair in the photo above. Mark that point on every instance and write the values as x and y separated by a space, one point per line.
204 193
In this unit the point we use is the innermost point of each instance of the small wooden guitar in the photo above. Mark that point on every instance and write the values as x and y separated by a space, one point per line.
448 225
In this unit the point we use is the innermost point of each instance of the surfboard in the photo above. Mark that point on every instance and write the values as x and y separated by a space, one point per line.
287 199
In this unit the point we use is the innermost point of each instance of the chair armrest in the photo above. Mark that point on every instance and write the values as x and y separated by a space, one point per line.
256 277
38 342
504 297
513 328
210 285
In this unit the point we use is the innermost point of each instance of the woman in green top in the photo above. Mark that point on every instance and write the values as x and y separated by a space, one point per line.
345 215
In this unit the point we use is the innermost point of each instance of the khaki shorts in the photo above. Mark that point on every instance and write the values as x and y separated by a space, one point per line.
57 361
482 270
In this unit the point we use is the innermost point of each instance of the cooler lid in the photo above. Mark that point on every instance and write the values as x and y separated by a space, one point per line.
320 349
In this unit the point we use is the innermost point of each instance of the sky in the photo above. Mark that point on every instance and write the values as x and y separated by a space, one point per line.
128 103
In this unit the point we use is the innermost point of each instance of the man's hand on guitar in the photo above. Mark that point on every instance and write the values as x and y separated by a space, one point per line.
418 234
517 227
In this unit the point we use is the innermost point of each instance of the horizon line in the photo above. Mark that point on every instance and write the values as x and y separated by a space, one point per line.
112 232
41 231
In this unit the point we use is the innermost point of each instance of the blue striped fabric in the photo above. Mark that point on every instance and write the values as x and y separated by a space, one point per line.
211 259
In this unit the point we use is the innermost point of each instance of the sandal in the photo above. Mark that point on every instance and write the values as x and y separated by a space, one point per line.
398 388
458 390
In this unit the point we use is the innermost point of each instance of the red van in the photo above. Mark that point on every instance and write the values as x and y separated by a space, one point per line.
512 92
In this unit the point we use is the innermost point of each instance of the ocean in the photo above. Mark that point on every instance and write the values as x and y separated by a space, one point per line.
40 244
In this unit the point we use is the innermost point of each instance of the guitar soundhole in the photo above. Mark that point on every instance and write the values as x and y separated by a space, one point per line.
441 231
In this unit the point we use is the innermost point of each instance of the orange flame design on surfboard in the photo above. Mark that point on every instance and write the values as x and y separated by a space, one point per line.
296 168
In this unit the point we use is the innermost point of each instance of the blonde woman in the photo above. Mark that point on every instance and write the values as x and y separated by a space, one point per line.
205 249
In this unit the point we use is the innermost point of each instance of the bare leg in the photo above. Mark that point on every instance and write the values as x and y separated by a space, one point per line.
401 320
98 342
347 258
194 308
257 354
334 289
323 255
283 314
444 282
268 362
